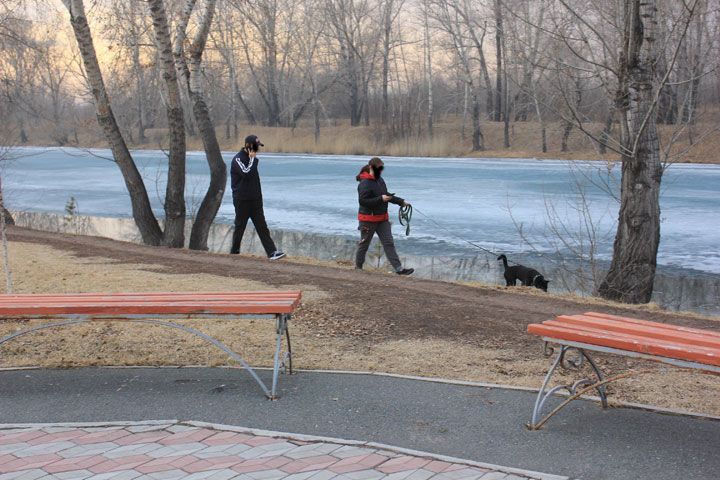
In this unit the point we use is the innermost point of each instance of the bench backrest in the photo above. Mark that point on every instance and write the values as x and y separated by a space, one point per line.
158 303
634 335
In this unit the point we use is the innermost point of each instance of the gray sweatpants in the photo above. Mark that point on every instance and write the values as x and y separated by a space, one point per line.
367 231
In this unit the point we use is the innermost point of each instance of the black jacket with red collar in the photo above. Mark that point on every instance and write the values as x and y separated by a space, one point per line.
372 206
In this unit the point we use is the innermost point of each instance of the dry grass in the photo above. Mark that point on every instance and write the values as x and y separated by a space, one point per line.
36 268
342 139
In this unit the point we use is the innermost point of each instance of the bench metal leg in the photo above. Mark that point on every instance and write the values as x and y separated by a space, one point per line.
566 364
281 327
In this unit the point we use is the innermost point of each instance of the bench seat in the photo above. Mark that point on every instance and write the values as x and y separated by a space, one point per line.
191 303
689 348
156 308
634 335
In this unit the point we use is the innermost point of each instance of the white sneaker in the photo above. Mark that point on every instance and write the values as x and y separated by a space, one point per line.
277 254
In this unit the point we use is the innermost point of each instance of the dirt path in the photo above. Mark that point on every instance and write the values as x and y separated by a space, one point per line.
379 321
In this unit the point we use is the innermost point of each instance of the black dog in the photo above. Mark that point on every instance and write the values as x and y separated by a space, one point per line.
528 276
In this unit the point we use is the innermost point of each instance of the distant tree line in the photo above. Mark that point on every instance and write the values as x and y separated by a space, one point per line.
393 64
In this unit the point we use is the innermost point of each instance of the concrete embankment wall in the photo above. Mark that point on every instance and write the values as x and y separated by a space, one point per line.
674 290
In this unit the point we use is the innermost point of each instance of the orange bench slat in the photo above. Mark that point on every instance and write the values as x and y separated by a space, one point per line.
649 331
14 298
679 343
629 343
666 326
258 302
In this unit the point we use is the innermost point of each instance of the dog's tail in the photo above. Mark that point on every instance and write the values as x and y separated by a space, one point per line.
504 260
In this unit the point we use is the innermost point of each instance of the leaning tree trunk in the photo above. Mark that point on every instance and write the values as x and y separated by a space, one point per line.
175 192
192 75
632 271
142 211
6 258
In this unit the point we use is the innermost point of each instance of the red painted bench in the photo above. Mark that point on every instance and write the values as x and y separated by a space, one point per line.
684 347
156 308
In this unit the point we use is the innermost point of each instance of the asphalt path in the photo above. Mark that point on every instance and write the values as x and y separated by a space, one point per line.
471 422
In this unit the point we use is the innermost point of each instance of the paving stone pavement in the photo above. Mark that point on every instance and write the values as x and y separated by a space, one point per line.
194 450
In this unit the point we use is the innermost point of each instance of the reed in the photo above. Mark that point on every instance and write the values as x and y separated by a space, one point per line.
698 144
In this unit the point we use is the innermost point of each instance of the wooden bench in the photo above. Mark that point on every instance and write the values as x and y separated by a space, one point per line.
156 308
687 348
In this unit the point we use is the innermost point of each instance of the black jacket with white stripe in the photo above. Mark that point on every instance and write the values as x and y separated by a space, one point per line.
244 177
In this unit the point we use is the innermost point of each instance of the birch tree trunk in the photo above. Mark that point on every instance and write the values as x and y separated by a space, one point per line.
428 60
175 193
498 59
387 27
632 272
192 76
142 212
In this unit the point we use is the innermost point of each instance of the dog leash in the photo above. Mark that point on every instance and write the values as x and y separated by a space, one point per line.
459 238
404 215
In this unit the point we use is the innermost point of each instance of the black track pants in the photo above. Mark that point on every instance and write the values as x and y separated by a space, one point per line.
253 210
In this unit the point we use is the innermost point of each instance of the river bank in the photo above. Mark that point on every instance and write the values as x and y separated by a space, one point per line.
680 290
448 140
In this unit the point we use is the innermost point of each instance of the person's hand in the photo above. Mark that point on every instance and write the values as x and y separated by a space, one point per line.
386 198
251 153
405 203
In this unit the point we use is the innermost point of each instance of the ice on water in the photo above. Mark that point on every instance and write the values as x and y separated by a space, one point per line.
484 201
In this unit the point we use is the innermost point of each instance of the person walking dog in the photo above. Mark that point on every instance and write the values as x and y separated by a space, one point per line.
373 215
247 198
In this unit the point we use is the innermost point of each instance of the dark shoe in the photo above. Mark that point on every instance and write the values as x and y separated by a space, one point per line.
358 268
276 255
234 252
405 271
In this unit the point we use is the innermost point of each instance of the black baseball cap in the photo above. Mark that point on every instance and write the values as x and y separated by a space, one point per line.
254 142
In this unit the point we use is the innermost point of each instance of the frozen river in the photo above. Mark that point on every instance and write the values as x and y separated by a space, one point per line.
500 205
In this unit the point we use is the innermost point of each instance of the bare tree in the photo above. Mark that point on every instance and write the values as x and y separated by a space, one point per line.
52 71
312 60
128 31
355 36
427 45
632 81
175 193
5 153
268 24
224 41
455 22
142 211
189 64
499 38
390 12
526 44
632 272
3 229
18 64
6 33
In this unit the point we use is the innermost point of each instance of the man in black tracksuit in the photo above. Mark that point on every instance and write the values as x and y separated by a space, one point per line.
247 198
373 215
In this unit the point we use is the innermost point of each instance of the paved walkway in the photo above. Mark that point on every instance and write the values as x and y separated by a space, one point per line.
362 426
160 450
